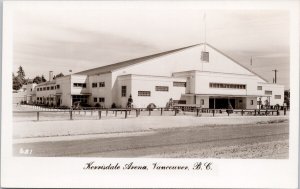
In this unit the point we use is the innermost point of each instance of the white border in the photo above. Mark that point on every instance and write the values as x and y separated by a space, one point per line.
68 172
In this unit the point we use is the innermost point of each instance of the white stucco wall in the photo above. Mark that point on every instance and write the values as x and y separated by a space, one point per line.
276 90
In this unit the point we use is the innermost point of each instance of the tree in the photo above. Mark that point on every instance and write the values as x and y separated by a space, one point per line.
21 74
39 79
58 75
130 101
17 83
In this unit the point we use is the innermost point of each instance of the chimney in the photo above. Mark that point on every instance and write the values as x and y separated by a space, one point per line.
50 75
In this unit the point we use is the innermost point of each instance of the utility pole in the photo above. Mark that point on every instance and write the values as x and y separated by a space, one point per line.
275 79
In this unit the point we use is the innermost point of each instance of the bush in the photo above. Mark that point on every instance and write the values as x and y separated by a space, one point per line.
113 105
97 105
151 106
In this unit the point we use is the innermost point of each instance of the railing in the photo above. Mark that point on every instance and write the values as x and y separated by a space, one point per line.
115 111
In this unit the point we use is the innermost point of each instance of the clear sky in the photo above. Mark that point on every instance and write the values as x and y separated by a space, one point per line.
64 37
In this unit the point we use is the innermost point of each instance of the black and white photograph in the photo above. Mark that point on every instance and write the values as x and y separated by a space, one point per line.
146 81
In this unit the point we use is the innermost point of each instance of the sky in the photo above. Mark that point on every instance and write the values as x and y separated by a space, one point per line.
65 37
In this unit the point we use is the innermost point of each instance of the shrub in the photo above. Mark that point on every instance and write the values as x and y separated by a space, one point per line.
113 105
97 105
151 106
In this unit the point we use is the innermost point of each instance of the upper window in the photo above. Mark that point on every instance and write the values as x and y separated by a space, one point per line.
95 99
226 85
179 84
57 86
101 99
123 94
161 88
268 92
102 84
205 56
144 93
83 85
94 85
277 96
52 87
259 88
48 88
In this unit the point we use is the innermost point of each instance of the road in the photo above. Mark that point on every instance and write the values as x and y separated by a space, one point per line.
236 141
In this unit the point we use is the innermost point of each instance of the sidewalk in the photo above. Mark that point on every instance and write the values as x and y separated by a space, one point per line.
64 128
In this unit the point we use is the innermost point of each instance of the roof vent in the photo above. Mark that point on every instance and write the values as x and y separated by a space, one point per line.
204 56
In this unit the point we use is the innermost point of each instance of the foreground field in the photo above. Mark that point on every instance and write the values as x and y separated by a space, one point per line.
224 141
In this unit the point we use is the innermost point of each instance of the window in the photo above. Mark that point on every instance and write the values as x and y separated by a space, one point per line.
101 99
123 91
102 84
161 88
94 85
37 89
95 99
179 84
48 88
52 87
259 88
144 93
83 85
44 88
202 102
251 102
226 85
57 86
277 96
268 92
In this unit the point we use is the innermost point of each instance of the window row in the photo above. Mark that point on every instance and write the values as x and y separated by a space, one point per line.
179 84
48 88
45 98
83 85
161 88
227 85
101 84
101 99
268 92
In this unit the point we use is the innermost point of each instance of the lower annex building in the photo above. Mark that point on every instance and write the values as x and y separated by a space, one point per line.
195 75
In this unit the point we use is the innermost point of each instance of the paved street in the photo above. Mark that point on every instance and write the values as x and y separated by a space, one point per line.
236 141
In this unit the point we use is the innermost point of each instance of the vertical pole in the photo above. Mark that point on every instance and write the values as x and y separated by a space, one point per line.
99 114
106 112
116 113
161 111
71 116
284 111
175 111
266 112
125 114
242 112
255 112
277 112
136 112
197 112
149 111
213 112
228 112
91 112
272 112
37 116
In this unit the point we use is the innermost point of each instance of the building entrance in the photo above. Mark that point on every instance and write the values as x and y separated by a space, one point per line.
221 103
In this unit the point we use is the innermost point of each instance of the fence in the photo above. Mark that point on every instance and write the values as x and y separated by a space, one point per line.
149 111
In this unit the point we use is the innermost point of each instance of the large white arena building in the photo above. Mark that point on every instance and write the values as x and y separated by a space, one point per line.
197 75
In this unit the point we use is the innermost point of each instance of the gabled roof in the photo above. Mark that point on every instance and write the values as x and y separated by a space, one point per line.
116 66
112 67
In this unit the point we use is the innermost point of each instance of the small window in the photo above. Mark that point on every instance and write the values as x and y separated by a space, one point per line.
48 88
259 88
102 84
101 99
205 56
179 84
44 88
83 85
37 89
95 99
94 85
57 86
161 88
277 96
52 88
251 102
144 93
123 89
268 92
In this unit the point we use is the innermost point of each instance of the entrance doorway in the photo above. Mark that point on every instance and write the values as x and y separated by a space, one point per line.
221 103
